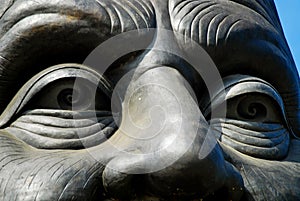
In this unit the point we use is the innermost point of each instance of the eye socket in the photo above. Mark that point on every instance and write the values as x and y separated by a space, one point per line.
71 94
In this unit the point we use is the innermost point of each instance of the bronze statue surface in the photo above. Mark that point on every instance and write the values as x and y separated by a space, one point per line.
147 100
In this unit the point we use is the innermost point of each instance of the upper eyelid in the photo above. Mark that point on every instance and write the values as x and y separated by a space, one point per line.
236 85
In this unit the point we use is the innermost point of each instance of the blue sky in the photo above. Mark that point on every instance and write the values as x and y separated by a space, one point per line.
289 13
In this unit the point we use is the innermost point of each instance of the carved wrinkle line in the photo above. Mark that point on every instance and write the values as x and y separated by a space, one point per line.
55 171
91 176
145 7
138 13
203 30
61 122
129 13
38 191
184 16
230 29
92 169
195 24
217 32
7 156
109 14
67 185
9 179
177 8
34 173
69 167
119 17
198 9
63 133
265 18
7 8
210 28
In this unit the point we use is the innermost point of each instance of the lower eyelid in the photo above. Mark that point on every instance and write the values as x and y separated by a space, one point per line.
31 128
262 140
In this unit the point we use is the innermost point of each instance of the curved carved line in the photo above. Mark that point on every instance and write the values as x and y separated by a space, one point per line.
36 170
38 191
7 182
7 8
230 28
138 11
145 6
109 14
248 132
195 25
116 11
128 12
265 15
89 179
55 171
119 17
67 185
198 8
67 169
211 33
91 176
217 31
55 164
190 12
254 141
204 30
181 5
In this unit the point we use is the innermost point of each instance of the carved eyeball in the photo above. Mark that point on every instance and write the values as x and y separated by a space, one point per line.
74 97
71 94
254 107
68 97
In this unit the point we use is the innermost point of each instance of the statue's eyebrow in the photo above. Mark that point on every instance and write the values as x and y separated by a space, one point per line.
212 23
118 15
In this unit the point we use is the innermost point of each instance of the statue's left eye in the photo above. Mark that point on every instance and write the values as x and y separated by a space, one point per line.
249 117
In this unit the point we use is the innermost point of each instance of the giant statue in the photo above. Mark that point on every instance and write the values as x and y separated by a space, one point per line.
147 100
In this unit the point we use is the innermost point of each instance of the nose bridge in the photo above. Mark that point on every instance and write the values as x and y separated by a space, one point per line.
160 101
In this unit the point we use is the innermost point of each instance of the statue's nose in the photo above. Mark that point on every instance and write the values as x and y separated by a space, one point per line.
165 147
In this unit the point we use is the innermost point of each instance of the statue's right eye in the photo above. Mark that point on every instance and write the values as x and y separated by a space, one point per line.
63 107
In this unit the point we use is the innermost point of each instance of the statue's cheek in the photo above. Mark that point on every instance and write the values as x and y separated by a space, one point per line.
31 174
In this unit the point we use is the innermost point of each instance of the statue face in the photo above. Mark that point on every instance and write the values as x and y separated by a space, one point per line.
147 100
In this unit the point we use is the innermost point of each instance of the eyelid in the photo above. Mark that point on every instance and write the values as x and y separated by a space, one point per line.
236 85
